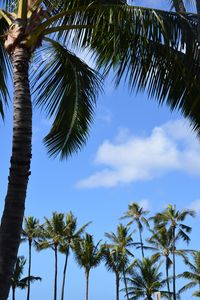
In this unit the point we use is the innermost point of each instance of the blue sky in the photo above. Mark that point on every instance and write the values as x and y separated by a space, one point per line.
137 151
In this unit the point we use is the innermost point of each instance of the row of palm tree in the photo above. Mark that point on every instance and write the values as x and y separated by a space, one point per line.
60 234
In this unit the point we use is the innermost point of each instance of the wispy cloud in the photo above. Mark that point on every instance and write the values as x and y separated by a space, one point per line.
170 147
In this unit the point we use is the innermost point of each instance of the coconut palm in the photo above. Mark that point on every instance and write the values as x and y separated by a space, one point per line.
30 232
150 48
52 234
88 256
137 214
193 275
145 280
16 280
178 230
121 242
71 236
161 243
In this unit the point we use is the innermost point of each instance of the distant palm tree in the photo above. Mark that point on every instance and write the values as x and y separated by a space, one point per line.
70 236
161 243
145 280
51 237
122 242
137 214
178 230
16 280
87 255
193 275
30 232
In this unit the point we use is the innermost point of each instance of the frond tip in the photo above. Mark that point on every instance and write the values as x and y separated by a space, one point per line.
67 89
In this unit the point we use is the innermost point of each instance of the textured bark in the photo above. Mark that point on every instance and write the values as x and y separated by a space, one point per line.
179 6
141 241
125 284
64 274
167 277
12 219
87 285
29 268
174 266
56 272
117 286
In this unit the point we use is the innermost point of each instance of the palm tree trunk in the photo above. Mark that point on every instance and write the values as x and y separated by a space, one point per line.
141 241
29 269
125 283
174 266
117 286
12 219
167 277
56 272
13 293
87 285
64 274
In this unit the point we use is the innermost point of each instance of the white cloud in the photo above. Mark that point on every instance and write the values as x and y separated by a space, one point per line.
195 205
170 147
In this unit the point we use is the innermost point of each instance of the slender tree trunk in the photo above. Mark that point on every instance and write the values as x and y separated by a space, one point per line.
64 274
174 266
179 6
125 283
117 286
13 293
12 219
29 268
141 241
87 284
56 273
167 277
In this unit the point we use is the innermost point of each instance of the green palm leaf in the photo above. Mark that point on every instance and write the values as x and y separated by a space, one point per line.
5 68
67 91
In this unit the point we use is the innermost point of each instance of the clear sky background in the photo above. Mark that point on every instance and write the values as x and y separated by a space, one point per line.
137 151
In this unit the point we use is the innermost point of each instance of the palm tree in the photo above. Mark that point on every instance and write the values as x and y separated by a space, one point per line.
121 242
52 235
193 275
178 230
16 280
145 280
136 214
71 236
144 45
30 232
87 255
161 243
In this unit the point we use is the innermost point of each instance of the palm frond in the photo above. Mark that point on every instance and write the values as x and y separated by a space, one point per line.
5 69
67 89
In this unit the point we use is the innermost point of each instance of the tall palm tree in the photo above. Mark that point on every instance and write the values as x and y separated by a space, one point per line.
161 243
52 235
88 256
137 214
193 275
30 232
178 230
70 237
145 280
16 280
146 46
121 242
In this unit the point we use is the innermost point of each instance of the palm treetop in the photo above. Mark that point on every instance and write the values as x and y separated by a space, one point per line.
87 254
137 214
31 228
146 46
